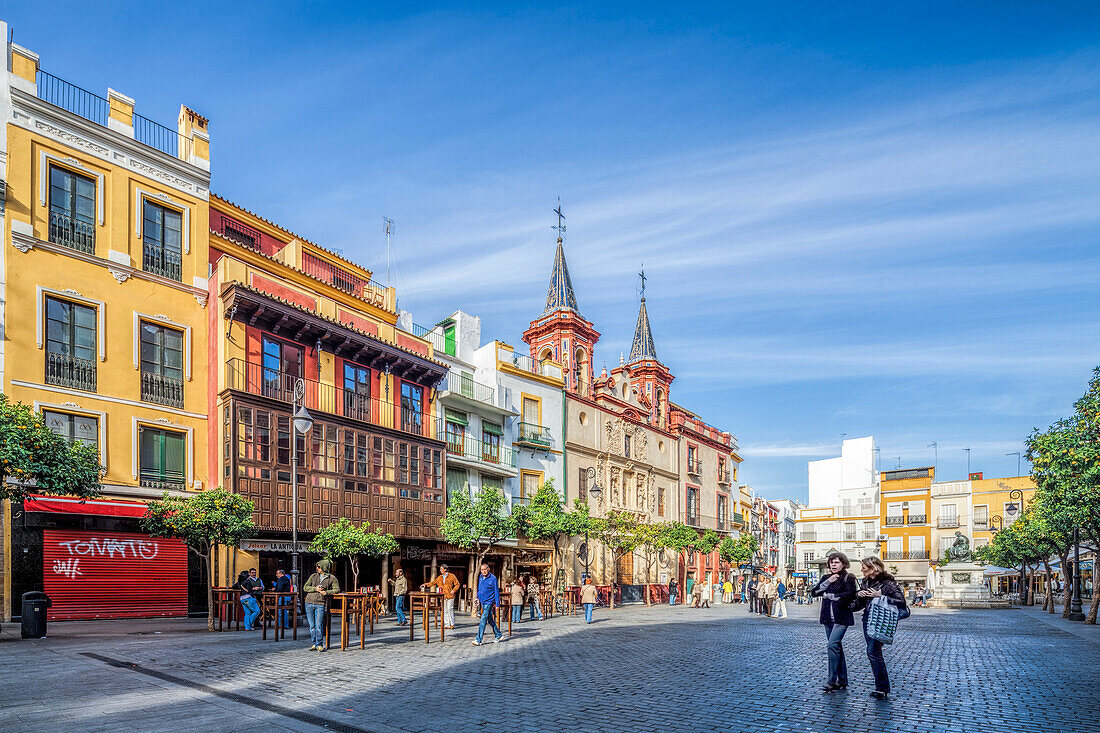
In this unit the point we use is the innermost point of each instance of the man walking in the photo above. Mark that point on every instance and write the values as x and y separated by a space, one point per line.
588 599
448 585
780 600
400 588
322 583
751 588
488 595
282 585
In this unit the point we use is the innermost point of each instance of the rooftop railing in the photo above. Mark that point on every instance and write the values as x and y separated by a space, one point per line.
92 107
464 384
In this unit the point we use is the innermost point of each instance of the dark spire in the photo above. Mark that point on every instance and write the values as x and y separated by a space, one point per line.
643 347
560 294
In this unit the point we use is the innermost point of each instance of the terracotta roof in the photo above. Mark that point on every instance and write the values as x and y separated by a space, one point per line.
341 324
292 234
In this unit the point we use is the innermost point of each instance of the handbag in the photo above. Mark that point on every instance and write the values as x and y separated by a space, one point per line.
882 620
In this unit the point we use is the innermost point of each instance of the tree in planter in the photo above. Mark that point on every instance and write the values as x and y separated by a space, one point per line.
202 520
1065 464
39 461
343 538
618 531
673 536
545 518
479 523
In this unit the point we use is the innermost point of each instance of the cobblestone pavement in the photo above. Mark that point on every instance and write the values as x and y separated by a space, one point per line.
636 669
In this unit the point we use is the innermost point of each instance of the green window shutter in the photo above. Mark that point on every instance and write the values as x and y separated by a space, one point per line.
458 418
491 428
449 339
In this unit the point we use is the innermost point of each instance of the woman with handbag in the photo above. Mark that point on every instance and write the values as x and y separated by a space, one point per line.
836 588
876 584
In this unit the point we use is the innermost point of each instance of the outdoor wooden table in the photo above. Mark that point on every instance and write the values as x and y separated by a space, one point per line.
570 600
427 603
347 606
372 600
226 601
546 602
505 607
275 602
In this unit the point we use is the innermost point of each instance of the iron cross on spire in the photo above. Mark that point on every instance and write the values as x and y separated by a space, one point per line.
643 277
561 221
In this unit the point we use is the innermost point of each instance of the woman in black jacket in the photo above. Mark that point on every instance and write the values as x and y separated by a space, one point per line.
837 588
877 583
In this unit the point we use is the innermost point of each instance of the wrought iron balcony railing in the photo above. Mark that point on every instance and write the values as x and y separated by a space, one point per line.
947 522
465 385
469 447
981 524
163 262
895 521
161 482
69 371
532 434
724 477
918 518
72 233
319 396
161 390
694 466
905 555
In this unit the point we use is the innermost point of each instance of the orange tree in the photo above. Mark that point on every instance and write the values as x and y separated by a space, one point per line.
38 460
202 520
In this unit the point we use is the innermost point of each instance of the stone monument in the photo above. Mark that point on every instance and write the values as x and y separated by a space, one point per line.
961 582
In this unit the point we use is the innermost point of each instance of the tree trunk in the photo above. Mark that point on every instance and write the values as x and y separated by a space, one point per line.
209 557
1067 583
1048 601
1091 618
354 559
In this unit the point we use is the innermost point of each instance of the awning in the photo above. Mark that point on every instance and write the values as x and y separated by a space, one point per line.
99 507
458 418
491 428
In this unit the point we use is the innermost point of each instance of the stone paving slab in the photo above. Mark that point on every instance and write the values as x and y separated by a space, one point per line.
636 669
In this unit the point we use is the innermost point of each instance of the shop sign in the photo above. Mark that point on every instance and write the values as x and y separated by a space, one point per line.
272 546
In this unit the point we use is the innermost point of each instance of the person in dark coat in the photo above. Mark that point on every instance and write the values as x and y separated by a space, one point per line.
282 585
751 588
672 591
877 583
836 588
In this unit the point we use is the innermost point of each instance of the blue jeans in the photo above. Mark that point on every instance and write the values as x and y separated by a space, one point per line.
878 664
315 615
251 611
838 667
672 599
535 608
487 618
588 612
517 613
399 607
284 618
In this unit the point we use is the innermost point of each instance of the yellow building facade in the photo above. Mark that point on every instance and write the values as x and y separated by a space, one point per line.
906 534
995 505
104 287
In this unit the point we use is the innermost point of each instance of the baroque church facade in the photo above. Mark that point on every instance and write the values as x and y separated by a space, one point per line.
623 443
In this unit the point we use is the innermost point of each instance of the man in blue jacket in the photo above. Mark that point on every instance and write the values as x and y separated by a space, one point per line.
488 595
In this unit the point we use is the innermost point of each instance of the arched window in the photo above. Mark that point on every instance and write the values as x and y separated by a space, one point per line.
580 371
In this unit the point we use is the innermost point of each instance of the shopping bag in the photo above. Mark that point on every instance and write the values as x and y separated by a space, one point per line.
882 620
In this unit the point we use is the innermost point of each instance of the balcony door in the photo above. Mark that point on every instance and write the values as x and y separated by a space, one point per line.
412 400
70 344
72 210
161 364
357 392
282 367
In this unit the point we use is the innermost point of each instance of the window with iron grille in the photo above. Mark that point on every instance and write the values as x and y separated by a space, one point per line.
162 240
73 428
72 210
582 484
161 364
162 458
70 344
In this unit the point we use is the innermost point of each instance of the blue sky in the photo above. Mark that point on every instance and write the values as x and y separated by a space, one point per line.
855 220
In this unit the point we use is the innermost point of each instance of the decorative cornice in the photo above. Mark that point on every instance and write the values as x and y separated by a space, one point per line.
39 116
119 271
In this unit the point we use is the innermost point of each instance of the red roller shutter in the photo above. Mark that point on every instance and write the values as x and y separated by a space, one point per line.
90 574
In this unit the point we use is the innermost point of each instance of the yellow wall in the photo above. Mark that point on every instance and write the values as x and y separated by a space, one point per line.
914 490
118 389
995 493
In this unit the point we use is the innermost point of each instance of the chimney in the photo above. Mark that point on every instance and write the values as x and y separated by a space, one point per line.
194 138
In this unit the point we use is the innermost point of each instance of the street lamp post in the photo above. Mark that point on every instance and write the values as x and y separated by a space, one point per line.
302 424
1075 613
996 523
595 490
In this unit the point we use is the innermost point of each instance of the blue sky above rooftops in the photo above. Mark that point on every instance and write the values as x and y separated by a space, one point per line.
853 219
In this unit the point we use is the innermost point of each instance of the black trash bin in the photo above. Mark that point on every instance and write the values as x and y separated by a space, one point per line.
35 603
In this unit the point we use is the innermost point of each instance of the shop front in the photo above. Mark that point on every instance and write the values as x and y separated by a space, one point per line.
94 562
